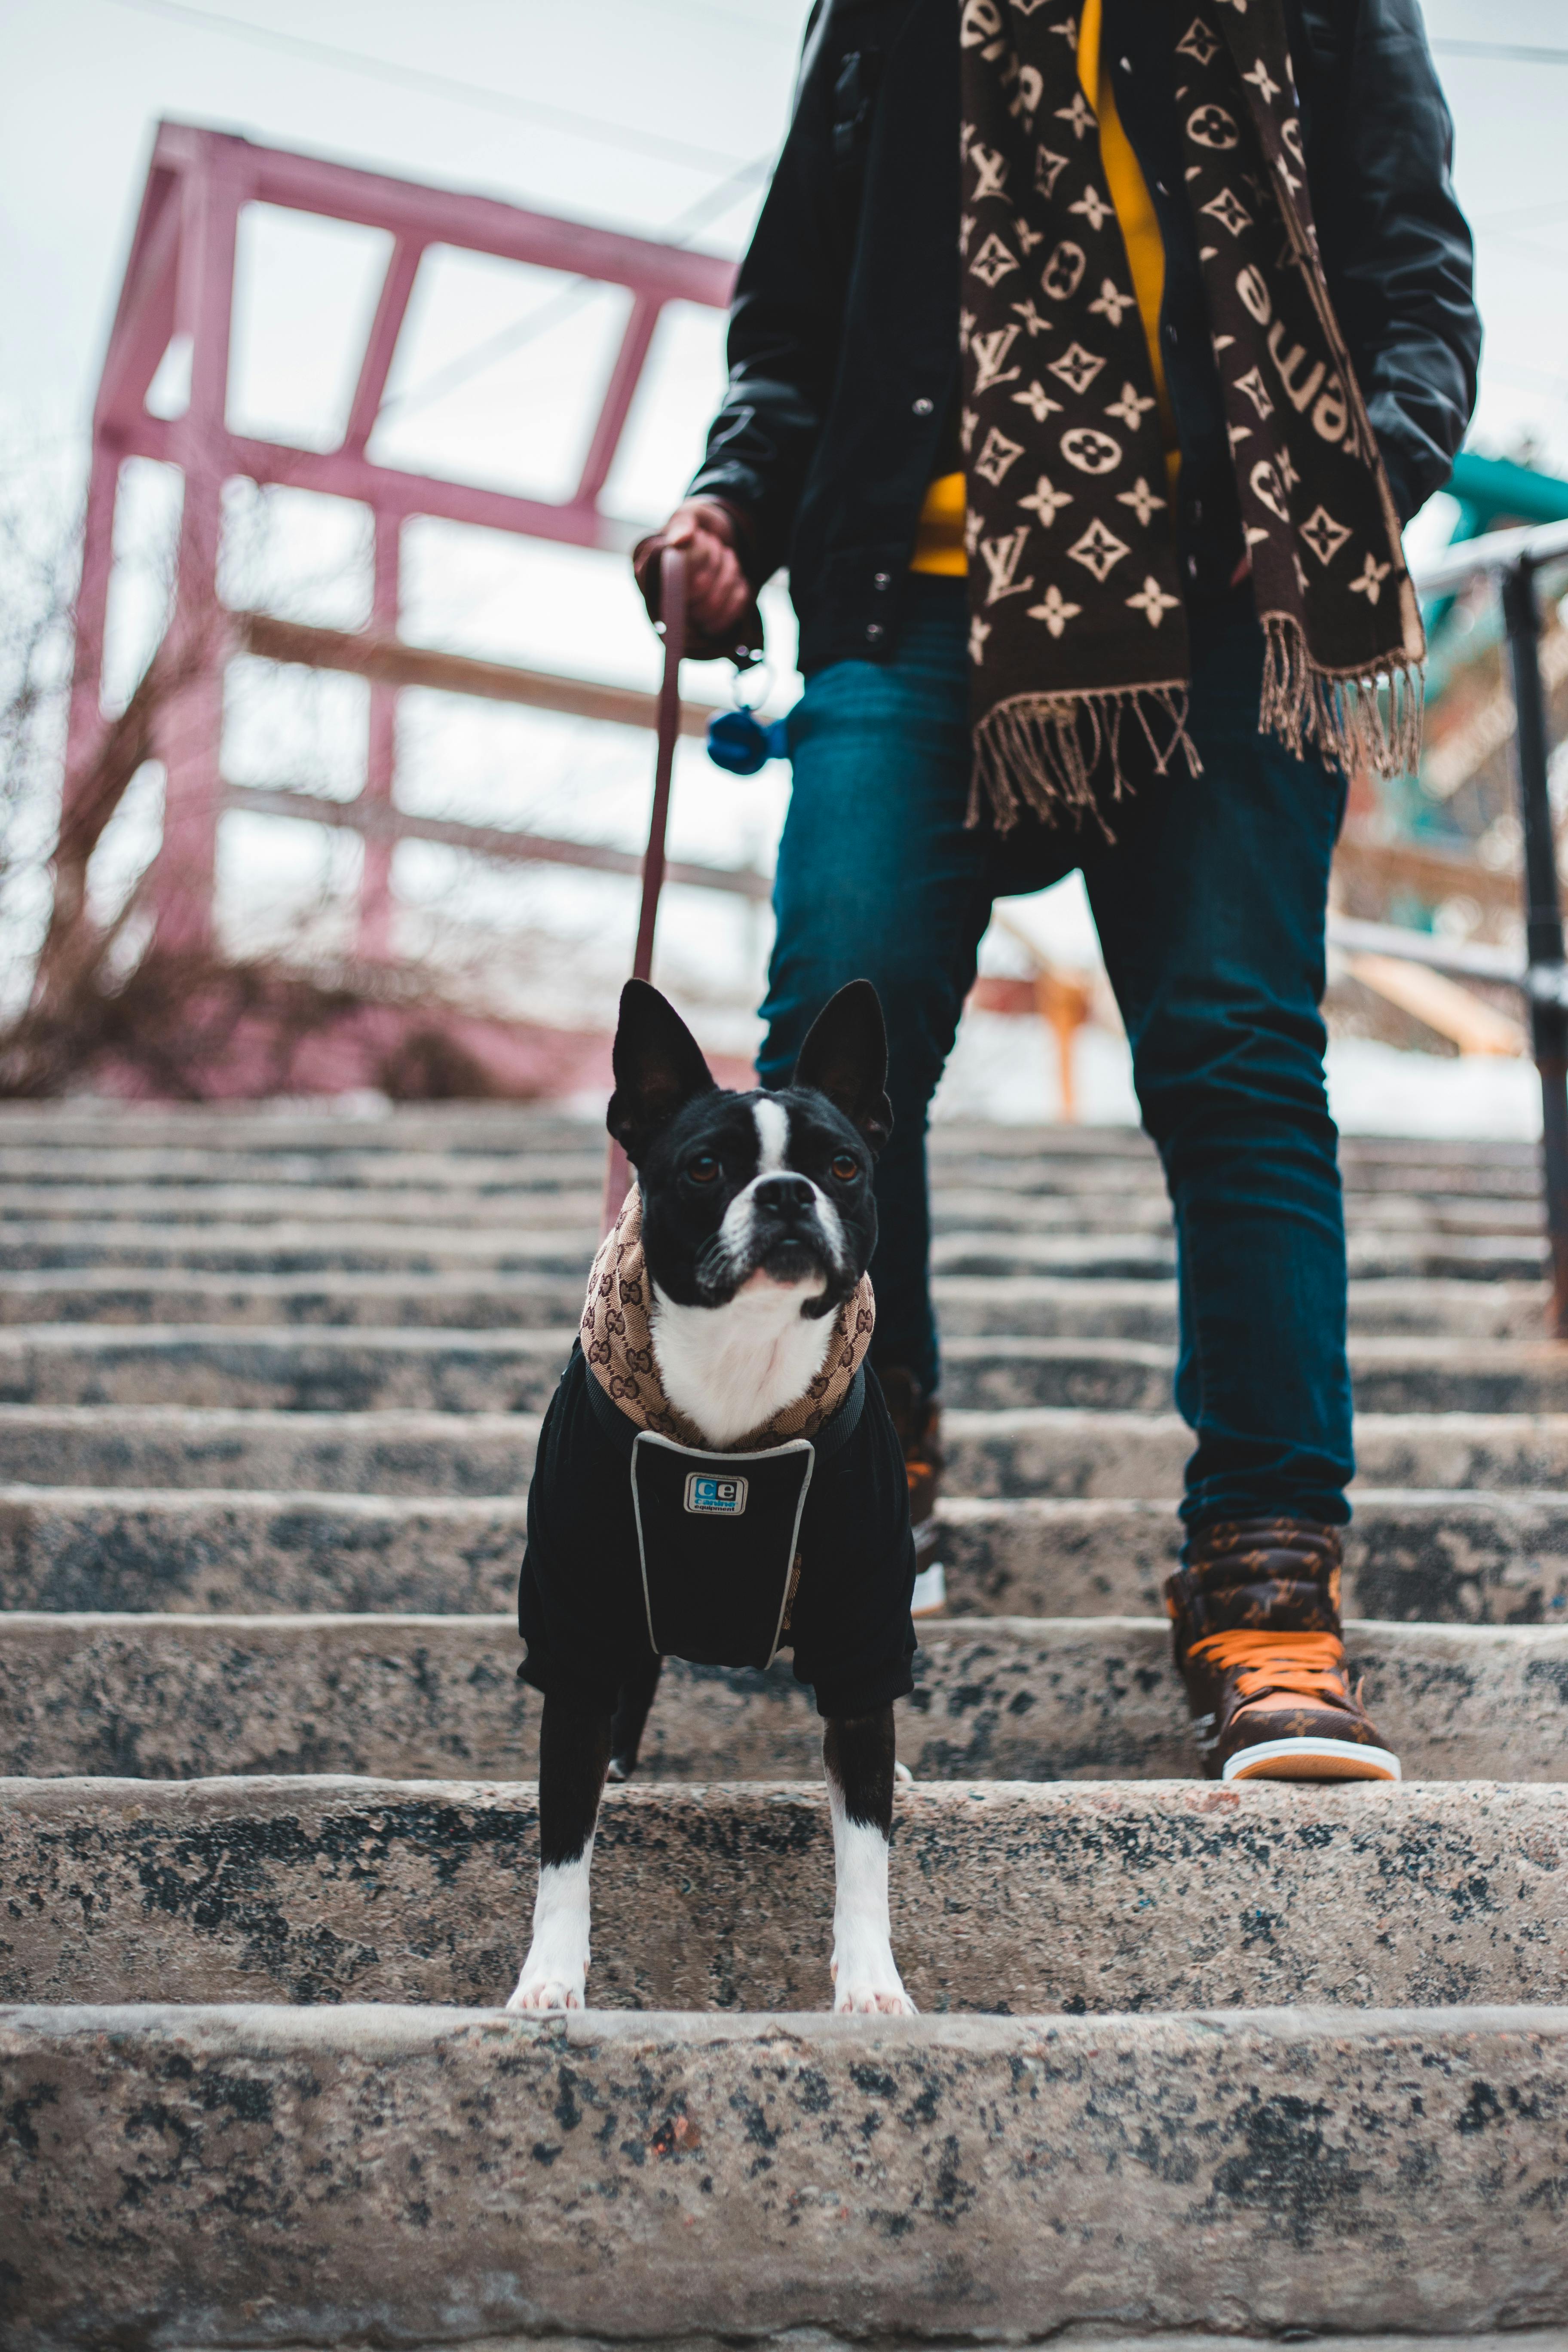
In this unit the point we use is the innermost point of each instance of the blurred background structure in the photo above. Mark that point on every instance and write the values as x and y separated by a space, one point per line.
331 777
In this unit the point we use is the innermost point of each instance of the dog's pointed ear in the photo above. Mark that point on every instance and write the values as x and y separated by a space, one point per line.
845 1057
659 1068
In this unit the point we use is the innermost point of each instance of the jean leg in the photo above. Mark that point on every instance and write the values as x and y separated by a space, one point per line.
879 878
1211 913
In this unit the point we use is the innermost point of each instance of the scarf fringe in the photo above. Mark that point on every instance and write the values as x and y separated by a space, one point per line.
1042 755
1371 721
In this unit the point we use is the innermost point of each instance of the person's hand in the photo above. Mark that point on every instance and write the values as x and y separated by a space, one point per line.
719 596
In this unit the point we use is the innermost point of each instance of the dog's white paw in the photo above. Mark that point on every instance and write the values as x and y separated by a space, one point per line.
556 1970
866 1983
538 1988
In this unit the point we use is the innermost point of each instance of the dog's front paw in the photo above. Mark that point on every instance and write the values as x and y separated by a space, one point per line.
866 1983
547 1989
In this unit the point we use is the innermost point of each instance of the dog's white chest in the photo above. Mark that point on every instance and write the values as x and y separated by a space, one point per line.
730 1369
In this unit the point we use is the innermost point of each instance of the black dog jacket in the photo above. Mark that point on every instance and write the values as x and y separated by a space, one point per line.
637 1545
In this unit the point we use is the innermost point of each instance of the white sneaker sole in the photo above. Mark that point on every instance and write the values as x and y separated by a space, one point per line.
1312 1759
929 1598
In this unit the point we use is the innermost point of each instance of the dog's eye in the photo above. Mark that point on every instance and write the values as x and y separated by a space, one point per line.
844 1165
703 1169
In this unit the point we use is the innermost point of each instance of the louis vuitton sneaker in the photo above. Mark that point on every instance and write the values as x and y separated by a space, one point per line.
1255 1620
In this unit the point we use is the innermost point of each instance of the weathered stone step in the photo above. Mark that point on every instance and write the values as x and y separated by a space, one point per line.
1098 1895
1390 1374
192 1551
1013 1698
464 1302
1042 1450
1029 1306
1449 1558
1004 1141
397 2175
230 1447
983 1209
1052 1306
290 1246
1372 1254
1443 1558
1389 1217
575 1210
365 1370
1037 1450
455 1126
420 1162
294 1246
430 1170
444 1371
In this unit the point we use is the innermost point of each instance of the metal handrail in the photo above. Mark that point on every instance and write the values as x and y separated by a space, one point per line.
1496 552
1512 558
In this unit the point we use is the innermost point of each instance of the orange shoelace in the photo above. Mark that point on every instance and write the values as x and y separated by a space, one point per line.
1311 1664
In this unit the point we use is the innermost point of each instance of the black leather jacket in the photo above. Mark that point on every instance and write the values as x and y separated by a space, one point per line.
843 332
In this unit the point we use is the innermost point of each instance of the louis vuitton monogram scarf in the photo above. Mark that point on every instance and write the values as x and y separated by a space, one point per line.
618 1346
1077 621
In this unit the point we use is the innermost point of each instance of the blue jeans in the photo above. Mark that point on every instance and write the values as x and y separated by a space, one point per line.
1210 907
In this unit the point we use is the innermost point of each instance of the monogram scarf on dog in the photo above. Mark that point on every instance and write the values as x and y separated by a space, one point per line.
619 1348
1076 612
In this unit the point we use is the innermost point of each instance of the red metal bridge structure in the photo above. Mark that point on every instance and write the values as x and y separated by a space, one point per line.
180 283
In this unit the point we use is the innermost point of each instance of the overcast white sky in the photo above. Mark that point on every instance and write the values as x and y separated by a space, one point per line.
85 80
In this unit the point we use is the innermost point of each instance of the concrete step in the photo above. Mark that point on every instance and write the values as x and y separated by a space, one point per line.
968 1307
1054 1307
414 1697
575 1210
1373 1255
989 1209
1397 1374
1445 1558
232 1448
1043 1450
367 1370
387 1171
461 1302
1035 1450
1449 1558
954 1208
286 1370
358 2174
291 1245
192 1551
1088 1895
334 1124
421 1164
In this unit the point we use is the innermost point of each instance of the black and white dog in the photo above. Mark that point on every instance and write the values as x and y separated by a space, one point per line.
758 1220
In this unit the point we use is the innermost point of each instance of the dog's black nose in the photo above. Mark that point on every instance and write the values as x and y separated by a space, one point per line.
784 1195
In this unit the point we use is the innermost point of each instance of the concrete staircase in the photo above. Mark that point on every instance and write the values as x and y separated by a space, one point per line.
1238 2060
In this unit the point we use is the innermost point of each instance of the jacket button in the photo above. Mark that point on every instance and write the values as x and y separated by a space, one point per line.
874 630
882 580
923 406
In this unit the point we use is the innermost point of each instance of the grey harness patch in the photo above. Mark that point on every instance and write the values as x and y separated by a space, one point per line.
705 1493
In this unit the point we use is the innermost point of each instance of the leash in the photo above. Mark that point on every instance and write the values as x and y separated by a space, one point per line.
672 605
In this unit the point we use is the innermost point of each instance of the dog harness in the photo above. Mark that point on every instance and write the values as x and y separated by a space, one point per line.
638 1545
718 1534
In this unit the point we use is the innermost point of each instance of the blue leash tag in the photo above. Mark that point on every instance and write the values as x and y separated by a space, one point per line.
738 740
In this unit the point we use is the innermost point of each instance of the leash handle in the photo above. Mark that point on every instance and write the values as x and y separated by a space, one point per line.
673 607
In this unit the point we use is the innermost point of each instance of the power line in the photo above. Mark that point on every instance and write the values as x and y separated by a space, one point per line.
1519 53
528 110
